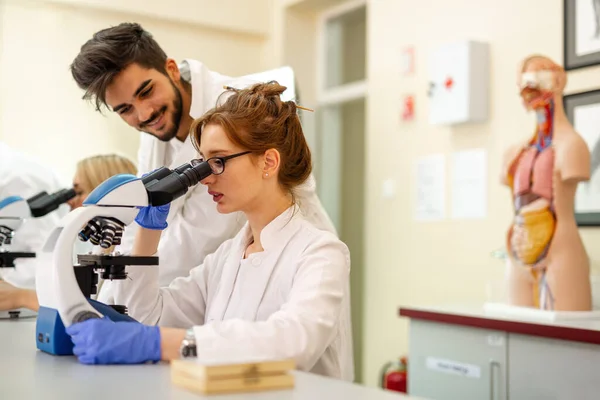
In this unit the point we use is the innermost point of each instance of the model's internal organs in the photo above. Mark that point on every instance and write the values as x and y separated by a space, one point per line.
531 234
534 223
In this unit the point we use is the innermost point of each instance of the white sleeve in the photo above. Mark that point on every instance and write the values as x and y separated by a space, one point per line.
305 325
181 305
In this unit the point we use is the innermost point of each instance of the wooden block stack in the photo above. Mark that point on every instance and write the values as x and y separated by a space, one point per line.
211 377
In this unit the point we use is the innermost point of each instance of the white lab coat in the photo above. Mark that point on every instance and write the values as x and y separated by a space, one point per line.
291 300
21 175
196 228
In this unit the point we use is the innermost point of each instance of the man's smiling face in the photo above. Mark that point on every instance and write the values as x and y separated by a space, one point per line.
147 100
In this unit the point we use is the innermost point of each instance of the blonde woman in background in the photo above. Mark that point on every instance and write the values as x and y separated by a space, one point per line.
90 173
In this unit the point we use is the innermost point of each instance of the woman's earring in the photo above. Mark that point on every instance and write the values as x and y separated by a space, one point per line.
266 174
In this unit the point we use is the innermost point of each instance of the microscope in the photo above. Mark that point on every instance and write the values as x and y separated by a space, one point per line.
14 211
64 296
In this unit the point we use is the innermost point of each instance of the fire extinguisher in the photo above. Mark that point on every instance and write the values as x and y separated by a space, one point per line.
394 375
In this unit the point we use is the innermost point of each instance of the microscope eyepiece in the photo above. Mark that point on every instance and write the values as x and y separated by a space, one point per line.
62 196
197 171
43 203
169 187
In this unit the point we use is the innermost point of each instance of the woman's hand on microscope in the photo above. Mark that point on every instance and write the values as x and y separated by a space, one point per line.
102 341
154 218
12 297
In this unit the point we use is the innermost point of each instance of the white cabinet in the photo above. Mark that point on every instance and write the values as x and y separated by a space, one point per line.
450 362
550 369
454 362
459 83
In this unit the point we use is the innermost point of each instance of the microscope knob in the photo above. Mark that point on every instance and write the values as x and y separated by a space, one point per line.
84 316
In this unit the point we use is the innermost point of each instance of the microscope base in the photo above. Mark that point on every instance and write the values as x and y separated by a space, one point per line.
51 335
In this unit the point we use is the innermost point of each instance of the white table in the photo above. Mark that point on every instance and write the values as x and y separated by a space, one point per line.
27 373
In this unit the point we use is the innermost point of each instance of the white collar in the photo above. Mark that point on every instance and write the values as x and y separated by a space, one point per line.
279 230
185 72
196 103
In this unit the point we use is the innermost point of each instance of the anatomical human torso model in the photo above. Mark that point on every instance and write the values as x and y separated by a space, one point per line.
548 267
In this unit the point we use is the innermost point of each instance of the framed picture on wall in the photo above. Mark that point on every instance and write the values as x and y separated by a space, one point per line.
581 33
583 110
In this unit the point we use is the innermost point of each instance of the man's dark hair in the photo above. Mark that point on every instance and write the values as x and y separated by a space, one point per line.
110 51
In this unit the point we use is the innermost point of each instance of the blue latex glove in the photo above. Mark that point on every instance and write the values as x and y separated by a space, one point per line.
102 341
153 217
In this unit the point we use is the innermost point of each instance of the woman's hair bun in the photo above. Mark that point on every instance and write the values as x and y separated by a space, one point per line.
268 89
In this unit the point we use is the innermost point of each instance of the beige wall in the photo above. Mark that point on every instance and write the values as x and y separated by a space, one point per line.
442 262
39 99
294 41
252 17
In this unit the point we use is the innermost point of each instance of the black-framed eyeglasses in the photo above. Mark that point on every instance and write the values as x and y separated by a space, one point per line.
217 164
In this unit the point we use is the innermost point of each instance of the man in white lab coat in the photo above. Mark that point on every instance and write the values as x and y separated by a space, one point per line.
124 69
21 175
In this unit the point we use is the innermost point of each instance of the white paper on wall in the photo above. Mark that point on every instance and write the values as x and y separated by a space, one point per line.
430 202
469 184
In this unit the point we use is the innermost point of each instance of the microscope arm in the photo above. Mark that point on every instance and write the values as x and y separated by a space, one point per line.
72 305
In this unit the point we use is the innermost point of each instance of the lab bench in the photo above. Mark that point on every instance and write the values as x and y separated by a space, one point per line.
466 353
26 373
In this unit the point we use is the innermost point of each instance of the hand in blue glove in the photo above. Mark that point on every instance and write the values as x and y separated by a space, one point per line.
102 341
153 217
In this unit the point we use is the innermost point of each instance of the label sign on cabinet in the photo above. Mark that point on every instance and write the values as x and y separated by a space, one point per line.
495 340
453 367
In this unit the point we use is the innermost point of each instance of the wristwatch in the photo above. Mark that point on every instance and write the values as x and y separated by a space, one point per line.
188 344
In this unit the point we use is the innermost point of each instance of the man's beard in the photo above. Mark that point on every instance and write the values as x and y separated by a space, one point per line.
176 120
